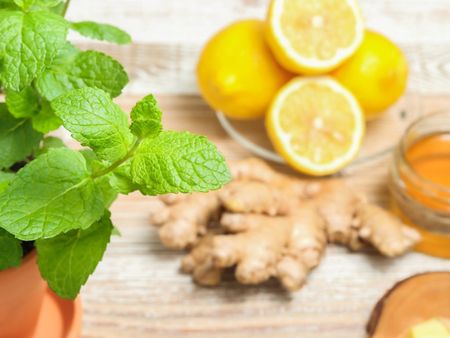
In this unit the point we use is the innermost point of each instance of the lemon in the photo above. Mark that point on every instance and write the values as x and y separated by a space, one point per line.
432 328
314 37
237 73
316 125
376 74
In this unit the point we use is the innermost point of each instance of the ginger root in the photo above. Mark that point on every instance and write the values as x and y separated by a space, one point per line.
274 225
184 218
261 247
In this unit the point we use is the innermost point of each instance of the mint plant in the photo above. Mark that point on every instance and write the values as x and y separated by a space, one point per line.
56 198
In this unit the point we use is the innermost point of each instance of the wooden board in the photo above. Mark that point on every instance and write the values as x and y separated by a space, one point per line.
137 290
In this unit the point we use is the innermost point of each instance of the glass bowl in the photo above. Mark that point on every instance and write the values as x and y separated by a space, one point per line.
382 134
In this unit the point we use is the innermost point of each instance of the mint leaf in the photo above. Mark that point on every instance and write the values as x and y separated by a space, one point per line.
66 55
8 4
24 103
121 179
10 250
146 117
109 193
24 3
101 31
67 261
5 178
46 120
94 165
17 138
27 4
86 69
51 195
95 121
178 162
28 44
116 232
48 143
47 3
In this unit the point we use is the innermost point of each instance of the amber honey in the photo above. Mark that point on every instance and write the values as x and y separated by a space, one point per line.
420 184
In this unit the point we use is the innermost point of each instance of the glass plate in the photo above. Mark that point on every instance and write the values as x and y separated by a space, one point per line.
381 137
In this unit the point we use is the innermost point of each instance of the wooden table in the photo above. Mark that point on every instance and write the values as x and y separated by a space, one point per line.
137 290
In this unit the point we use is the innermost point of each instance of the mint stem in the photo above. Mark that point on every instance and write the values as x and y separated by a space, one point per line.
118 163
66 7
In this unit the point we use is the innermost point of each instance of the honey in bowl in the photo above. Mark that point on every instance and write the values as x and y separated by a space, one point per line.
420 182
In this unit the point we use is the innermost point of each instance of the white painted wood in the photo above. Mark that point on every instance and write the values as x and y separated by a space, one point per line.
169 35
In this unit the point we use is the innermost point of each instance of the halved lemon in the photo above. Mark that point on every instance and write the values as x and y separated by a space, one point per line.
314 37
316 125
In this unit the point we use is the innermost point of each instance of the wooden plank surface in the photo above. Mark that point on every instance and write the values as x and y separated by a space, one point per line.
137 290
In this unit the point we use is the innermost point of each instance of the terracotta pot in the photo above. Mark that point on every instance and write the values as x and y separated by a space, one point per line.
22 291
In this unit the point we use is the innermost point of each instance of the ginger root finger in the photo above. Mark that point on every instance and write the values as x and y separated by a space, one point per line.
353 222
255 251
172 198
183 222
337 205
159 212
385 231
254 169
254 197
199 263
304 250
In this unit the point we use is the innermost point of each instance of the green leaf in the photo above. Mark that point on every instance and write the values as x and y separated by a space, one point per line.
86 69
109 193
22 104
17 138
48 143
47 3
178 162
10 250
5 179
27 4
24 3
101 31
93 163
95 121
28 44
146 117
51 195
8 4
66 55
116 232
67 261
46 120
121 179
59 8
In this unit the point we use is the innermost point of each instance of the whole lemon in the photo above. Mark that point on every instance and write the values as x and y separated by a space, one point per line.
237 73
376 74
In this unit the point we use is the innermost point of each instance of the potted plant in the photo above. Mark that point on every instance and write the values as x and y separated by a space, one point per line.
54 200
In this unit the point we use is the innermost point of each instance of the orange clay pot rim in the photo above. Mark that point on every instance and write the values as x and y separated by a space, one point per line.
402 149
